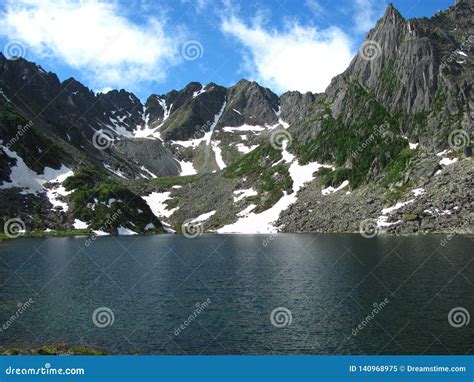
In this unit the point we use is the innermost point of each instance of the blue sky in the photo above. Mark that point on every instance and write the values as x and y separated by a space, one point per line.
153 46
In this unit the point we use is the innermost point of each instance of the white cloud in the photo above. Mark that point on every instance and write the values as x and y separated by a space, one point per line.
315 7
94 37
366 14
299 58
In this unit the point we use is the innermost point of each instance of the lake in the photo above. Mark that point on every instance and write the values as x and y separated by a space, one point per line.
240 294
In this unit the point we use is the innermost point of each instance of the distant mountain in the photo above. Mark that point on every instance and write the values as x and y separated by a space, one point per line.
241 157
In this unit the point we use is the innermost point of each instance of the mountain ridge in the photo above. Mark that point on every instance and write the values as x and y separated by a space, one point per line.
376 128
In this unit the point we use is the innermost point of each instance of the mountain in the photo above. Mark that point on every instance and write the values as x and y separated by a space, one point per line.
386 145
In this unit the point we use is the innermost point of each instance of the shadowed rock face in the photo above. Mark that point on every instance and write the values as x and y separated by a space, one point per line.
419 70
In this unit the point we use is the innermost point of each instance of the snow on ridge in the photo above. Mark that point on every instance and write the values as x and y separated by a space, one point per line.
203 217
124 231
143 168
187 168
244 193
199 92
79 224
218 154
330 190
448 161
30 182
244 127
263 222
117 172
156 202
245 149
4 95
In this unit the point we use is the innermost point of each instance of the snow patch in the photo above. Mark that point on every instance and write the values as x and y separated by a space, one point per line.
330 190
156 202
245 149
263 222
123 231
448 161
245 193
79 224
202 217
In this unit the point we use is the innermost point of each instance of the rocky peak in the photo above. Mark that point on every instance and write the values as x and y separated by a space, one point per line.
249 103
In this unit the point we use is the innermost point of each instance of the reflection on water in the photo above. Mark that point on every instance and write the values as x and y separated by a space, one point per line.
132 294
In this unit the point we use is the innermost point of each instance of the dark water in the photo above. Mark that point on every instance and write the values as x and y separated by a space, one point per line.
329 283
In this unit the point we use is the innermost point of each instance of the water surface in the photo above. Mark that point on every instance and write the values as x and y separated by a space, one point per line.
329 284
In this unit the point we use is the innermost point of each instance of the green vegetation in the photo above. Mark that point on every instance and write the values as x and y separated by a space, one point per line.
368 143
56 349
272 180
104 204
394 170
174 180
35 147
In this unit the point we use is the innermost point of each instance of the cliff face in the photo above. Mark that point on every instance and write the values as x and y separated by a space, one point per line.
390 124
